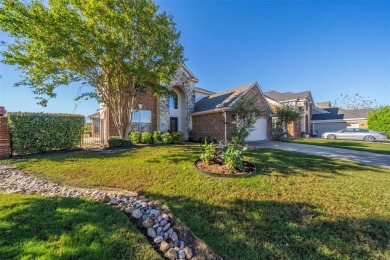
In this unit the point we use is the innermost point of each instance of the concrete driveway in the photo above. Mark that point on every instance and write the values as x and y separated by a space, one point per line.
368 158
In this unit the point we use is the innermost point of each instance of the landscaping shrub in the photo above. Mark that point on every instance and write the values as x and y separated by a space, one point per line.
233 157
146 138
379 120
209 152
178 137
157 137
135 137
166 138
116 142
39 132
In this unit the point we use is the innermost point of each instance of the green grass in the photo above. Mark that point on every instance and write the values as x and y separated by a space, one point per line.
297 207
375 147
35 227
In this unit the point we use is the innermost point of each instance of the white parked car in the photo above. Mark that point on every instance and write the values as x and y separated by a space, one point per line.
356 134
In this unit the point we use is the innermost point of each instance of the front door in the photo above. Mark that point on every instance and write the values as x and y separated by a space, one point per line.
173 123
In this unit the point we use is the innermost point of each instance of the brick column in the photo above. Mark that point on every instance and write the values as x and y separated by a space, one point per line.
5 140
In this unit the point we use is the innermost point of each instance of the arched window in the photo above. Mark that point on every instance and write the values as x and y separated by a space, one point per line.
173 101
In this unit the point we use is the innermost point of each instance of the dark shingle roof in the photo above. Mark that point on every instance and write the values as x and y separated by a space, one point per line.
339 113
221 99
204 90
278 96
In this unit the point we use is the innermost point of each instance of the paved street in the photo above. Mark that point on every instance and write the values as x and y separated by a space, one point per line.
368 158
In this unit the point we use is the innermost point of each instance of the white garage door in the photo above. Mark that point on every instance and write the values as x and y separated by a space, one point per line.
260 132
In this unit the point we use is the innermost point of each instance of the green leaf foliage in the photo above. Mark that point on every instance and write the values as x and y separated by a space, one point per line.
157 139
135 137
167 138
285 115
147 138
115 142
233 157
39 132
379 120
178 137
209 152
245 113
113 46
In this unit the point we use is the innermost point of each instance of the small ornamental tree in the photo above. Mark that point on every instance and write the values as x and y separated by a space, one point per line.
245 113
379 120
285 115
117 47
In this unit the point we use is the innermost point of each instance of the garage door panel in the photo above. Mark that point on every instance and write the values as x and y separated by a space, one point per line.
259 132
330 127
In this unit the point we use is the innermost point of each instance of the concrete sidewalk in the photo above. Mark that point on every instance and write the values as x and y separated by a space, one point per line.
368 158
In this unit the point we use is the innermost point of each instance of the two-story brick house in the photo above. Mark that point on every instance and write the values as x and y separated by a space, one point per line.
301 100
190 109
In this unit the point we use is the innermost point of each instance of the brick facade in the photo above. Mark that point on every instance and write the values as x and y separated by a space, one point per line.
212 125
148 101
5 140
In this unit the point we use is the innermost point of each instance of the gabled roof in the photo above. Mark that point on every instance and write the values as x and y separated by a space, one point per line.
202 90
325 104
336 113
222 99
96 115
189 72
287 96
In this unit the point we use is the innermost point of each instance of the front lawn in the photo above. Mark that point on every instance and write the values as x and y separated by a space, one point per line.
298 206
35 227
375 147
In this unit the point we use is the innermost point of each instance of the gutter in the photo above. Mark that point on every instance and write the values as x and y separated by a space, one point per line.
217 110
336 120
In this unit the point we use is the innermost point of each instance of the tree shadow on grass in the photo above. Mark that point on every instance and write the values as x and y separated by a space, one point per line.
67 228
271 229
287 163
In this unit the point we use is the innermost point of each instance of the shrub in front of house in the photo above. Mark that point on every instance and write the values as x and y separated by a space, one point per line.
147 138
39 132
157 139
116 142
135 137
166 138
177 137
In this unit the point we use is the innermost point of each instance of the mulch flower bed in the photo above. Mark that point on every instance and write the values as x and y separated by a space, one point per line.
218 168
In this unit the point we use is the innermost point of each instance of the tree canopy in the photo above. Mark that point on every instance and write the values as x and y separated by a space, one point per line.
115 46
379 120
245 113
285 115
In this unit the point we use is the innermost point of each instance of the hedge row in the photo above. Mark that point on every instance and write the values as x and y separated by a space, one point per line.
157 137
39 132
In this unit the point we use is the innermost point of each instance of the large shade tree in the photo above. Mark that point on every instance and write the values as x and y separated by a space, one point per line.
115 46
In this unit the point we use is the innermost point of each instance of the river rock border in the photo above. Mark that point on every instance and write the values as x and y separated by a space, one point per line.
157 223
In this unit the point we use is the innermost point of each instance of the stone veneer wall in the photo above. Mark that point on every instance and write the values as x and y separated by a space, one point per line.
5 139
187 84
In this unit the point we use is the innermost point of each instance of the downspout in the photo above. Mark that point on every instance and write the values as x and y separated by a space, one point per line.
224 115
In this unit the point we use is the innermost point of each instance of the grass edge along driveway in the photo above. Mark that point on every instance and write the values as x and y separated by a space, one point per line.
297 206
374 147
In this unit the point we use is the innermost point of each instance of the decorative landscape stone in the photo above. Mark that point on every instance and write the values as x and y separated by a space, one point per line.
152 219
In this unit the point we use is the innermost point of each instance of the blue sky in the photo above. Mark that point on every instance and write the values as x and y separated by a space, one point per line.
328 47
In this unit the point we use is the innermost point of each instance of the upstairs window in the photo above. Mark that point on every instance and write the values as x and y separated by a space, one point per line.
173 101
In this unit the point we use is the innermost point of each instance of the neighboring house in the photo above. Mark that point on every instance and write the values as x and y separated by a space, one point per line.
212 114
95 124
331 119
190 110
301 100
